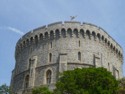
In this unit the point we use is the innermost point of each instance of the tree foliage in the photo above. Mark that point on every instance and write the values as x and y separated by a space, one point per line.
122 83
4 89
122 86
41 90
86 81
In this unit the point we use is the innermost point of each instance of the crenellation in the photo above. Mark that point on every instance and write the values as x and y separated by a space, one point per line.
53 24
39 28
47 35
70 22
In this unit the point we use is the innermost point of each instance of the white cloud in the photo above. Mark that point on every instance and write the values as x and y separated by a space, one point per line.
15 30
12 29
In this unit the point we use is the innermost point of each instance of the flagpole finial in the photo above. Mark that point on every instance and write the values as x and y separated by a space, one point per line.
72 18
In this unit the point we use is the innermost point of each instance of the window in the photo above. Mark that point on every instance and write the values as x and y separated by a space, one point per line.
57 33
98 36
48 76
79 43
105 40
76 33
79 56
69 32
36 40
108 66
46 35
102 38
50 57
63 33
51 35
31 40
82 32
94 35
41 36
88 34
27 81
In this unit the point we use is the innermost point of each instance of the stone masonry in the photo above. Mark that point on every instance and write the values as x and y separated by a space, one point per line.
43 53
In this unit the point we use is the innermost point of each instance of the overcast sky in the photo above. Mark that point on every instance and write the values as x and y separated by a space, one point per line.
17 17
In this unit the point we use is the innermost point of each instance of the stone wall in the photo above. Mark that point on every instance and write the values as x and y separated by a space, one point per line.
63 46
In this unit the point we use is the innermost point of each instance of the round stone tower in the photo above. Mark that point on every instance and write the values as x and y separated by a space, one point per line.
44 52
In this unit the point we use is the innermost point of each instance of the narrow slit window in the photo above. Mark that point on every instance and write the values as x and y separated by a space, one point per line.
50 57
48 76
79 56
79 43
108 66
27 81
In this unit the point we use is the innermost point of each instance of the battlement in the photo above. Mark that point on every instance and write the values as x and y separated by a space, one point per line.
47 32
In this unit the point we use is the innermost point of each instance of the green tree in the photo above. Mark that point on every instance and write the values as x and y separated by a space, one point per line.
4 89
122 86
41 90
86 81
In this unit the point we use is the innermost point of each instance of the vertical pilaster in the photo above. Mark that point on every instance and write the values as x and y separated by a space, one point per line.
62 62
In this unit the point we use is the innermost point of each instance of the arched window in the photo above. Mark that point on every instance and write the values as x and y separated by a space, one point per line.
69 32
79 56
111 46
102 38
98 36
51 35
57 33
50 57
105 40
108 43
76 33
94 35
36 39
31 40
114 48
48 76
119 53
88 33
63 33
27 81
46 35
41 36
82 32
